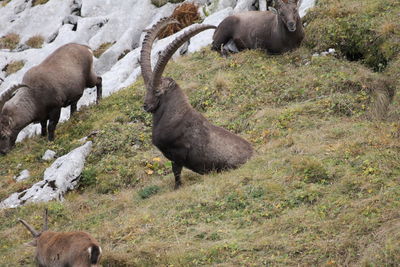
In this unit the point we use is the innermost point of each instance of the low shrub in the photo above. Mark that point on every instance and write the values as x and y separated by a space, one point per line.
186 14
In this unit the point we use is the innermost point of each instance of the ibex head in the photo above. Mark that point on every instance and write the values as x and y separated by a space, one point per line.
6 121
157 86
288 13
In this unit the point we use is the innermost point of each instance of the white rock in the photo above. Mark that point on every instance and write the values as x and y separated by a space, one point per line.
23 176
49 155
243 5
304 6
60 177
262 5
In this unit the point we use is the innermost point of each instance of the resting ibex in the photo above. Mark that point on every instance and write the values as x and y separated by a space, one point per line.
78 249
182 134
57 82
274 33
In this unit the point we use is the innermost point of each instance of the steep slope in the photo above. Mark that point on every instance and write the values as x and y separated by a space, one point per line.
323 188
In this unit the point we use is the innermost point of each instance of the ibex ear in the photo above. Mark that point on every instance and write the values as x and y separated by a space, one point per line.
33 243
279 4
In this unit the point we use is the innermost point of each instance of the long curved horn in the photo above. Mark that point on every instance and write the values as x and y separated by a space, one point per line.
30 228
170 50
145 53
8 93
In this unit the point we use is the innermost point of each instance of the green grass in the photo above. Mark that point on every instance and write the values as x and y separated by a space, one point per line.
360 30
321 190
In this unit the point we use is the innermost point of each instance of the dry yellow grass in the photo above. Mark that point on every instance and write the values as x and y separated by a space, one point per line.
35 41
9 41
13 67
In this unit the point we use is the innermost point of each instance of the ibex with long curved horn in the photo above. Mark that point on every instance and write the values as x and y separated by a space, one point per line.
64 249
57 82
274 33
181 133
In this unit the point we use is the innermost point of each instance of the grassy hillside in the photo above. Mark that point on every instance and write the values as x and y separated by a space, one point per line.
323 188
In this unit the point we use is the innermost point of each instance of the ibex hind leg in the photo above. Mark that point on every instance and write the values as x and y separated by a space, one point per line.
99 87
54 117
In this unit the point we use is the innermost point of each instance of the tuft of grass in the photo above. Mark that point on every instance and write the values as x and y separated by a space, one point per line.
148 191
13 67
101 49
35 41
39 2
4 2
160 3
310 170
9 41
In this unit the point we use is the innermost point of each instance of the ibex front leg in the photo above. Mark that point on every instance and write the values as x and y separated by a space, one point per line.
43 125
177 169
54 117
73 108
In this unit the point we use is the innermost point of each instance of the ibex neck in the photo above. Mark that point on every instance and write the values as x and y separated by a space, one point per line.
172 107
20 109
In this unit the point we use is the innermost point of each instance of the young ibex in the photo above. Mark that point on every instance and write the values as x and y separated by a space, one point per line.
181 133
274 33
57 82
77 249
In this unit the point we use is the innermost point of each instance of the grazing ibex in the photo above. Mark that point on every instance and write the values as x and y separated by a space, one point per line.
274 33
57 82
181 133
75 249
